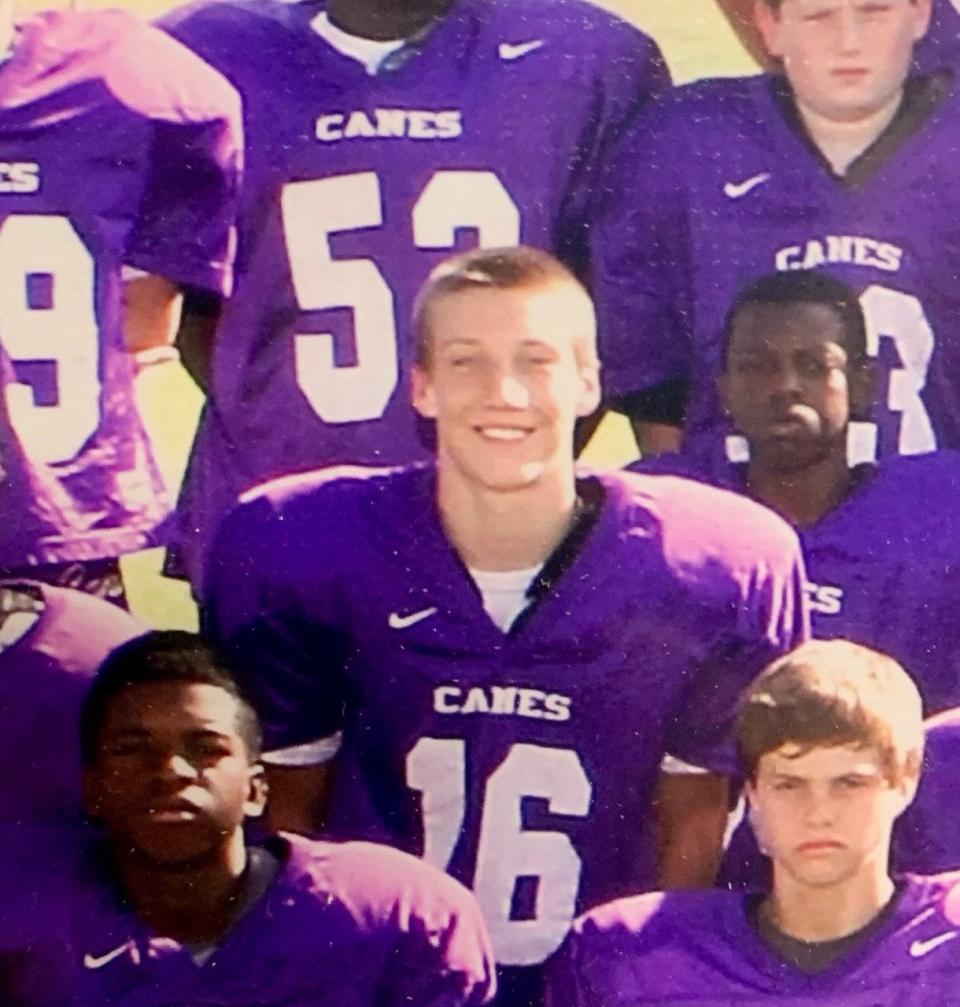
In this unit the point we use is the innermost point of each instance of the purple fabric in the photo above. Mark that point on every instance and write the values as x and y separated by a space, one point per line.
43 679
724 187
351 925
883 567
119 147
496 127
941 46
521 762
684 948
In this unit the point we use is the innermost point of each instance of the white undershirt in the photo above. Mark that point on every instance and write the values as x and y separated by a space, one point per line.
366 51
504 593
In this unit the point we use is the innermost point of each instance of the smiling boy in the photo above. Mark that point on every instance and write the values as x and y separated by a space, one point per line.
489 657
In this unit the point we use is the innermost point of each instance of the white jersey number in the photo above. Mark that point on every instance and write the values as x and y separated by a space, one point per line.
55 413
900 317
506 851
316 209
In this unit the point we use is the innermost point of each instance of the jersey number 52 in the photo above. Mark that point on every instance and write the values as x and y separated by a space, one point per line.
316 209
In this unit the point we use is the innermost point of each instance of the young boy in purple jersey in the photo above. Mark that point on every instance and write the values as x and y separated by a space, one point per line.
382 136
51 642
881 541
491 656
831 742
926 837
841 163
173 905
120 154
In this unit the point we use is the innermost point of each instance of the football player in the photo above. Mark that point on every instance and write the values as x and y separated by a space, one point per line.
831 742
881 541
381 136
171 904
51 642
841 164
118 169
490 656
939 47
925 840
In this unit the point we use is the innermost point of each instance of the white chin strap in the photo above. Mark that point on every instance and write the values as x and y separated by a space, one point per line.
861 445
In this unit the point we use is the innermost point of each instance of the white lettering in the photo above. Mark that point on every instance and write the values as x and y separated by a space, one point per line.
444 699
330 128
840 249
359 125
19 176
502 701
824 599
476 702
558 707
389 124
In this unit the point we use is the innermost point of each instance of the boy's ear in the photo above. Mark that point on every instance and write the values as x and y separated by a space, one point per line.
256 802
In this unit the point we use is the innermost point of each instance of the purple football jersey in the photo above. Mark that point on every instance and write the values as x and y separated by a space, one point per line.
494 127
883 567
522 762
341 925
759 198
119 148
683 949
52 641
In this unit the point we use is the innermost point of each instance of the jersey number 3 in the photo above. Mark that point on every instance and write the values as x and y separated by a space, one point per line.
316 209
506 852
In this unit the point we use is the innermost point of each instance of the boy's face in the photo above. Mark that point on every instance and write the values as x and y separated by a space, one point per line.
825 815
846 60
172 779
504 384
788 385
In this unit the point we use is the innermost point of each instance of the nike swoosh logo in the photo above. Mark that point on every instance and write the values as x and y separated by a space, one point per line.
920 948
735 190
515 50
398 621
95 962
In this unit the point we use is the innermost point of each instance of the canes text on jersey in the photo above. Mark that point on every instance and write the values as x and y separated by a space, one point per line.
841 249
390 123
501 701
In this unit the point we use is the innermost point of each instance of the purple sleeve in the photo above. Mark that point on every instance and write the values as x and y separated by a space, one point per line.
639 261
185 226
445 965
581 973
633 72
279 633
440 950
185 229
770 619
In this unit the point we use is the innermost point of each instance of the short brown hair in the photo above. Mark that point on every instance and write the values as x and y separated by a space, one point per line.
516 268
832 692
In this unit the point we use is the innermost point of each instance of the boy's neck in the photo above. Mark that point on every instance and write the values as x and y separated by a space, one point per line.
194 903
817 914
513 530
840 142
806 496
